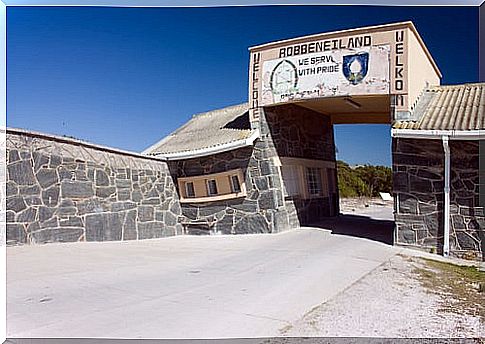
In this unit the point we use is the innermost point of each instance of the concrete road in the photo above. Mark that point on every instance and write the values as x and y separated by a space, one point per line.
181 287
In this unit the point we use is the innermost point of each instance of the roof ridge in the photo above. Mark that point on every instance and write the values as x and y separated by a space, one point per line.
469 84
202 148
213 112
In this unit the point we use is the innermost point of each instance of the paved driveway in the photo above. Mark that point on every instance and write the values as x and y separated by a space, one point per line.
181 287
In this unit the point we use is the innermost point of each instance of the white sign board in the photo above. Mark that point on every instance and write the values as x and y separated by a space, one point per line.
343 72
386 196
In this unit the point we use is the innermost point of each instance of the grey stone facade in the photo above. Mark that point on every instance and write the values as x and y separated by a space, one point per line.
63 191
467 214
261 211
297 132
418 170
285 131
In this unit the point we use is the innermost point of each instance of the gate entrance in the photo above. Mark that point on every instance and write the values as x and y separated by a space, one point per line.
303 135
300 88
270 164
369 64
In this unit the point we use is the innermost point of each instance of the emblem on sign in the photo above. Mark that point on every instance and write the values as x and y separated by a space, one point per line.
355 67
284 77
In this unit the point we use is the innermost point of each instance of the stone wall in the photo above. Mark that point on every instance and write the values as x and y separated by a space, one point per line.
297 132
301 133
63 190
418 174
255 213
418 190
467 215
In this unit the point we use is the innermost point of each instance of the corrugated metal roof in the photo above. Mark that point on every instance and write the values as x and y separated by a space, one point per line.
206 130
451 107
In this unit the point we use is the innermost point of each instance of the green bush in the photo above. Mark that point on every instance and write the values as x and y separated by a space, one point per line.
363 181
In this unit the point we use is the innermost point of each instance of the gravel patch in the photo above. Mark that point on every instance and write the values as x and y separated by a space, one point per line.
392 301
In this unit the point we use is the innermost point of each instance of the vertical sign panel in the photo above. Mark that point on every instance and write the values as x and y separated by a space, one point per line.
399 75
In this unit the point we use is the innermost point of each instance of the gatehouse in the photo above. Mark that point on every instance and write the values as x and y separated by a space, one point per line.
269 165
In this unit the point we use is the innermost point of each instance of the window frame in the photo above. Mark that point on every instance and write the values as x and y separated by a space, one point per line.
231 181
315 173
186 189
208 187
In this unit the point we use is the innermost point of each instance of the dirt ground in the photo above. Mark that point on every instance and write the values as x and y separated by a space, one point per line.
352 204
403 297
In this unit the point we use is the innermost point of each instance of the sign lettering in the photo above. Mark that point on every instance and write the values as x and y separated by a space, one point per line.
327 45
398 69
255 86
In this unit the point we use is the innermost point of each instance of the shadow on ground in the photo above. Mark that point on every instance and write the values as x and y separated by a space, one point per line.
360 226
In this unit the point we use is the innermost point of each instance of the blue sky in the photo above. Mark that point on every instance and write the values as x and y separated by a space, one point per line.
126 77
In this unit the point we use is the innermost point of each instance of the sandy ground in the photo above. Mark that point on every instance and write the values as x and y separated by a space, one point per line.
388 302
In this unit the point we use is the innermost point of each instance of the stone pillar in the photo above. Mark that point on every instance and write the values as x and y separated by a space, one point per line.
273 205
418 192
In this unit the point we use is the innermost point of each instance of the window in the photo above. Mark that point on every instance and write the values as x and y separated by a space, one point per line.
314 181
291 180
189 190
235 185
306 178
211 187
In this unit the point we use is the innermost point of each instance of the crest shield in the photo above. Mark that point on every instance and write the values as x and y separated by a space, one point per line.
284 77
355 67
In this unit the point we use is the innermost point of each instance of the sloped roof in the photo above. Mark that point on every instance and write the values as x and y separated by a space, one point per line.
206 132
452 107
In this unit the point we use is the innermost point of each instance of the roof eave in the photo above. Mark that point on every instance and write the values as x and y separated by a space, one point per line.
196 153
477 134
